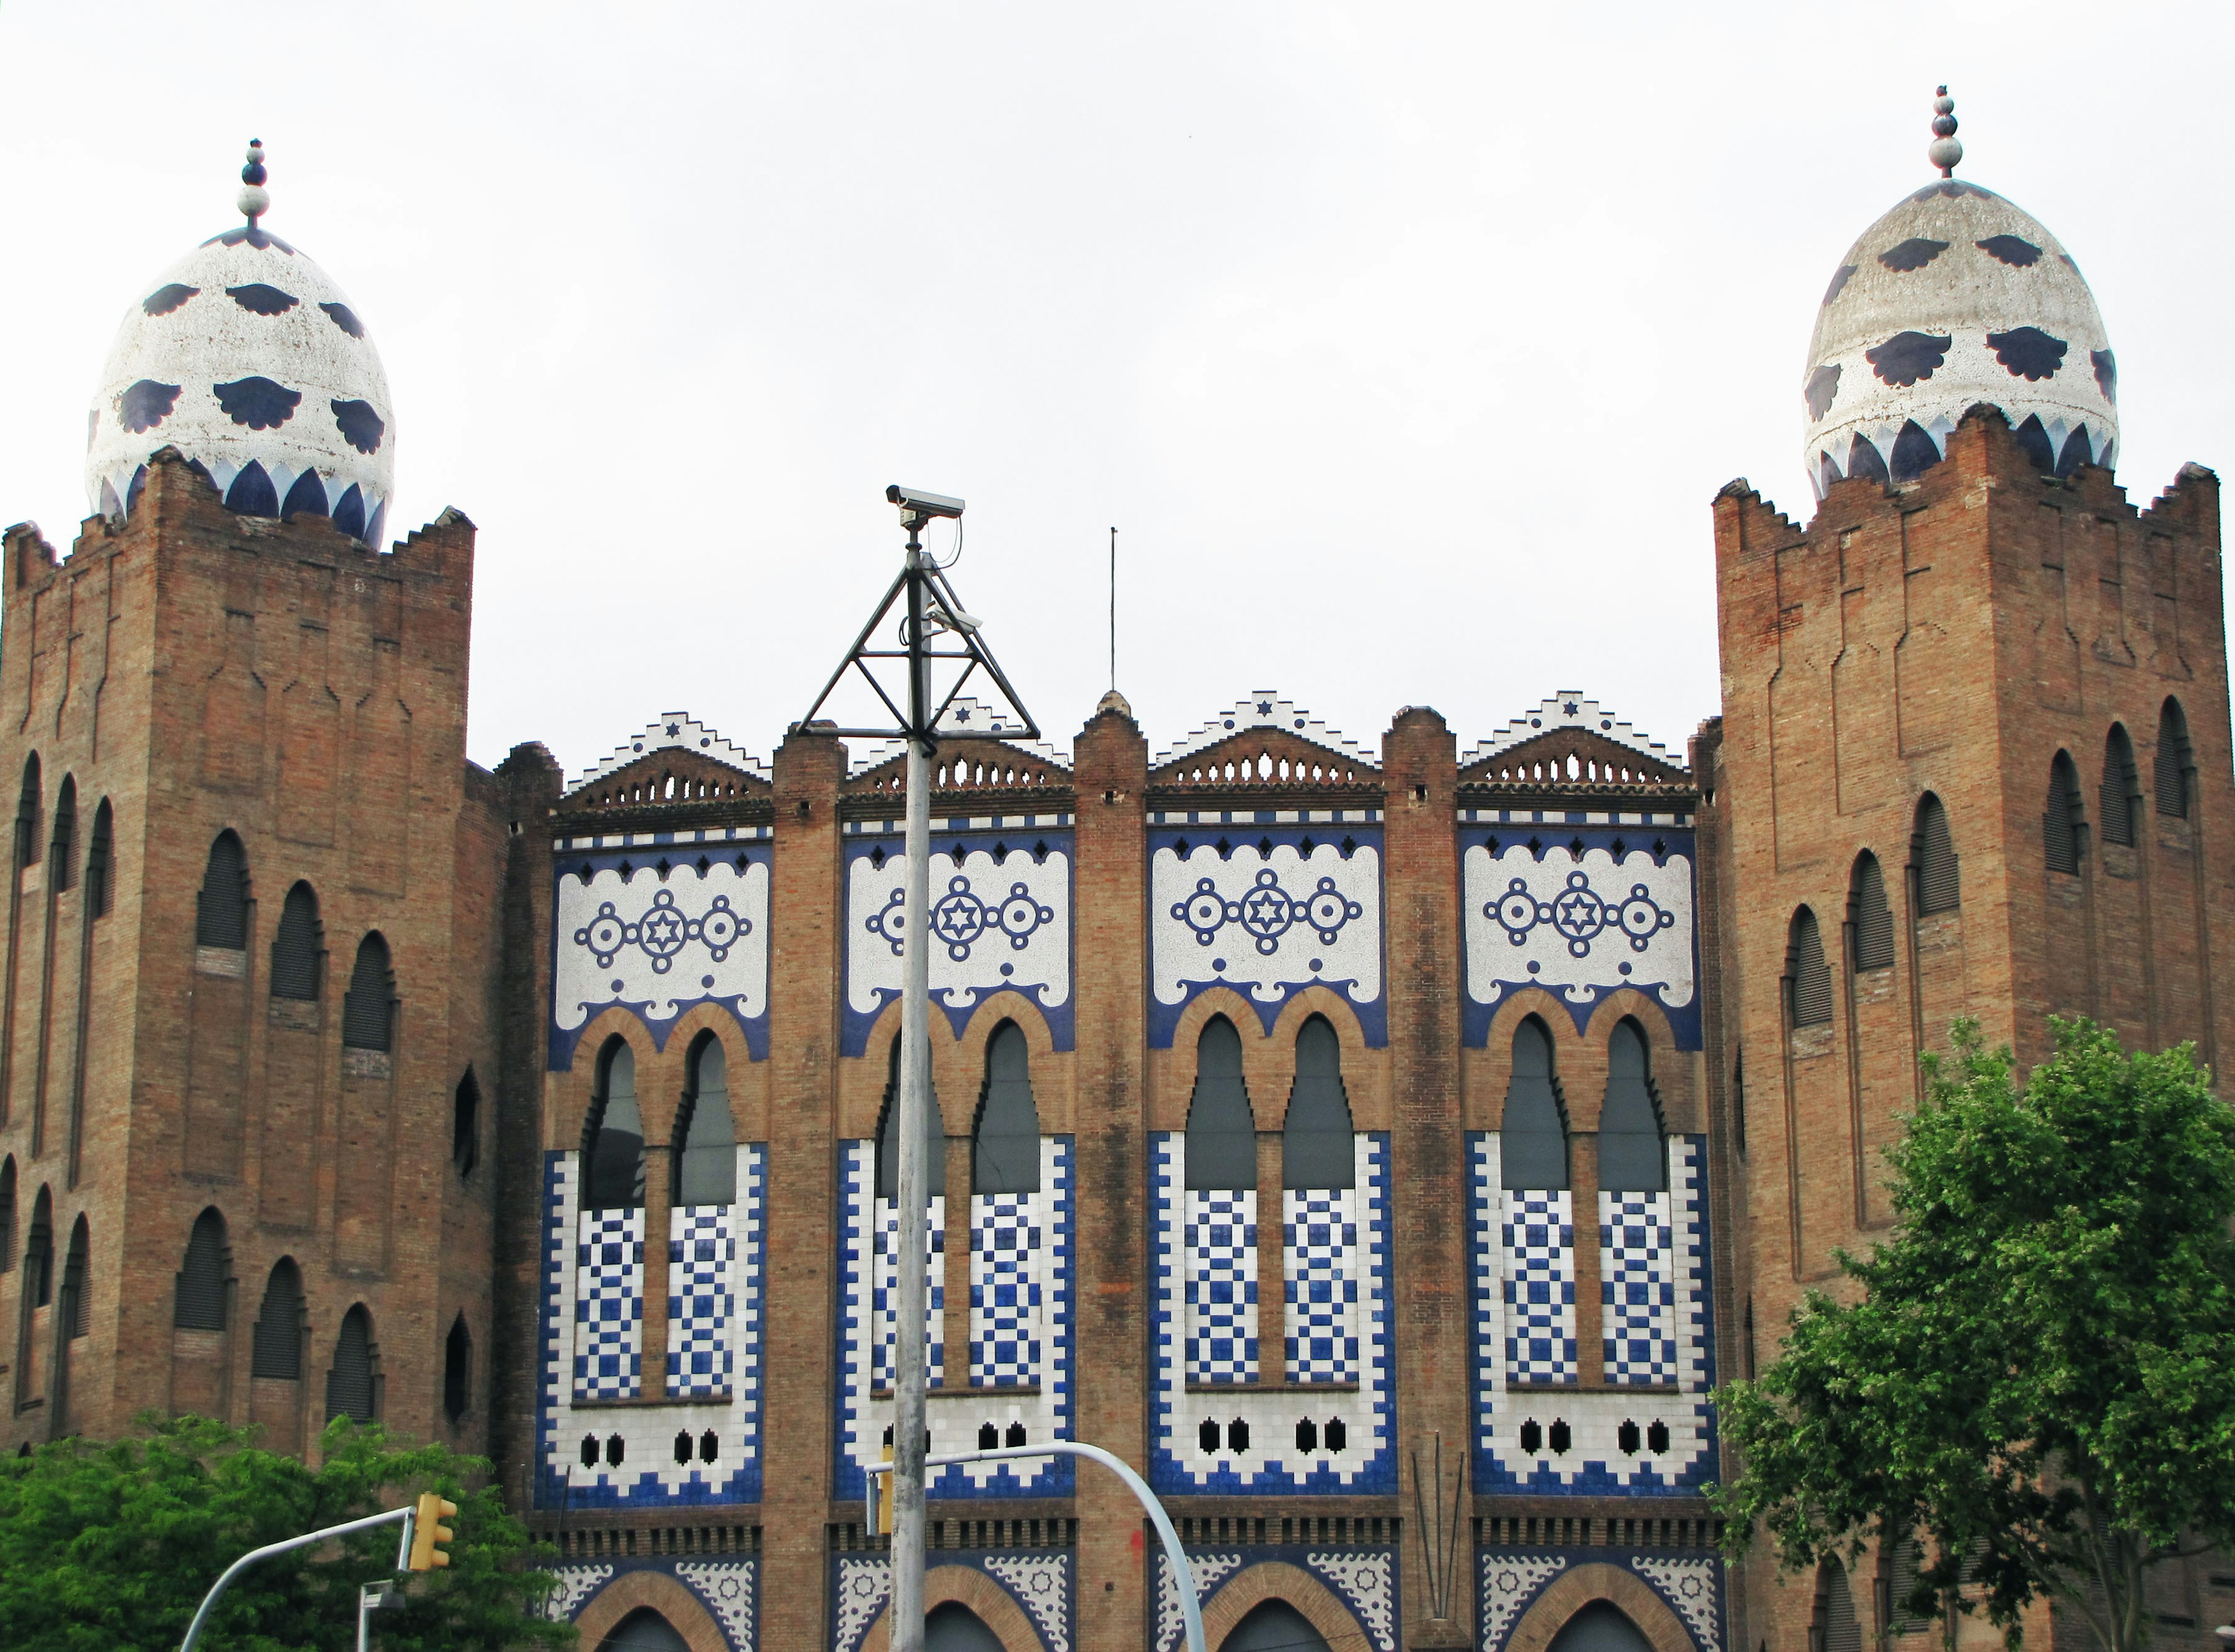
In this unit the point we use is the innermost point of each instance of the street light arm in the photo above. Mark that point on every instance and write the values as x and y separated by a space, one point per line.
202 1613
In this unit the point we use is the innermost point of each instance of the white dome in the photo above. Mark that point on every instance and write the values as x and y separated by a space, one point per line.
1956 296
248 358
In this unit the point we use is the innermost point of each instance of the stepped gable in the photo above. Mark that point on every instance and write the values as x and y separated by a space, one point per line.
970 714
677 763
1263 709
1276 755
975 777
1570 745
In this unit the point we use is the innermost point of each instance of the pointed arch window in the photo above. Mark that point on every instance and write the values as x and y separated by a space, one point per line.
1632 1155
7 1213
352 1385
64 844
101 863
457 1372
934 1134
2121 791
2175 759
77 1299
1807 978
1221 1144
2063 818
1533 1138
38 1286
612 1138
1871 914
1318 1144
1005 1158
31 812
465 1123
1837 1628
706 1165
200 1303
221 911
1939 889
368 1006
278 1350
299 946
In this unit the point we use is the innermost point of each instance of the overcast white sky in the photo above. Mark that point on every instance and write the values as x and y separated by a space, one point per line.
1407 345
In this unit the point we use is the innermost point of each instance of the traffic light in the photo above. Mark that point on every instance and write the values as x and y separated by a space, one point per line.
428 1533
880 1486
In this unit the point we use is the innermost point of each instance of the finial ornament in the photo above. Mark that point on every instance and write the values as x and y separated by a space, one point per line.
1945 151
255 200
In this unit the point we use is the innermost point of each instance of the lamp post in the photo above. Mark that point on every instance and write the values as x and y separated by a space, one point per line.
929 614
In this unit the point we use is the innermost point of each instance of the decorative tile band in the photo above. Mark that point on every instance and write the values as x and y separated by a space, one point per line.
1570 817
1264 817
654 840
960 824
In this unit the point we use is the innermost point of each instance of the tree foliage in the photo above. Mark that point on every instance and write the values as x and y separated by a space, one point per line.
2038 1378
110 1547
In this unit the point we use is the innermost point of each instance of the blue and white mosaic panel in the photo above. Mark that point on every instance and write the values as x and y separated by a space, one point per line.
887 1299
1218 1251
658 943
1637 1276
1538 1234
597 1446
1652 1431
1018 1385
1318 1433
1267 911
1009 1287
726 1587
1321 1266
1536 914
1038 1580
1000 918
1512 1579
1364 1579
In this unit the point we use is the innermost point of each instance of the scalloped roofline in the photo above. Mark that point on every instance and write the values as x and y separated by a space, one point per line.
1568 710
1263 709
673 731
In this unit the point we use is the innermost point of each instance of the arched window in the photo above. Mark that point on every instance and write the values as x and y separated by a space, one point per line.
1600 1626
2121 790
7 1213
1222 1132
1836 1628
706 1165
351 1389
368 1008
889 1146
1318 1148
1005 1155
1631 1156
30 811
277 1351
297 948
1807 978
39 1253
77 1293
1901 1565
1939 888
201 1284
1533 1139
465 1123
101 863
612 1137
1274 1626
457 1371
952 1627
2063 819
64 856
221 913
646 1631
1868 911
2175 759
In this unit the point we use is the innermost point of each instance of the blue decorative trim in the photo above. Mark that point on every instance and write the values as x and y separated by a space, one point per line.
1572 817
962 823
1264 817
1694 1584
657 840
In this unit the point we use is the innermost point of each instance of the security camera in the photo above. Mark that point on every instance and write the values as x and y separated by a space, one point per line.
968 624
915 502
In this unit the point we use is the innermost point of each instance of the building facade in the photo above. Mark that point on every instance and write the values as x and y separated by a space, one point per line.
1386 1149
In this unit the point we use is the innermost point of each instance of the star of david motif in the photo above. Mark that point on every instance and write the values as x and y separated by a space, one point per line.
1579 915
961 917
1266 911
663 932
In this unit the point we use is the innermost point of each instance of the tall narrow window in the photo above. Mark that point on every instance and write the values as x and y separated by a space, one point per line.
7 1213
279 1347
38 1286
707 1162
889 1141
31 814
612 1138
1005 1158
2175 759
201 1284
2063 820
465 1123
296 948
101 863
352 1391
457 1372
1533 1139
368 1008
76 1291
1836 1629
221 913
1737 1099
1871 915
1318 1148
1631 1156
2120 786
1222 1132
64 856
1807 978
1939 888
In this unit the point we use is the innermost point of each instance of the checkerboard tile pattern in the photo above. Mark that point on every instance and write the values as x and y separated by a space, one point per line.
1538 1230
1218 1250
1320 1268
886 1302
1637 1269
609 1305
1008 1288
702 1249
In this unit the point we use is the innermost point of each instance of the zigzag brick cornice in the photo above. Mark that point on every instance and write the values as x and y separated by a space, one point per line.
1572 760
669 790
1264 768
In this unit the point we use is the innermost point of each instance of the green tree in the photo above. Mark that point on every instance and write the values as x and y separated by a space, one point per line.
2038 1377
110 1547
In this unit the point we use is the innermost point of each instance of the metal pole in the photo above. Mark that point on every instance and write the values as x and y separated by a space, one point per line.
202 1612
910 1375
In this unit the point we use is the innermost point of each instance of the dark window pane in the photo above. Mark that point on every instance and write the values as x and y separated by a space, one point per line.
1533 1139
1222 1133
1318 1147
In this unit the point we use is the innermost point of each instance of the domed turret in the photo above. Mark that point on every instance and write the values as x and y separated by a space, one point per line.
246 358
1955 296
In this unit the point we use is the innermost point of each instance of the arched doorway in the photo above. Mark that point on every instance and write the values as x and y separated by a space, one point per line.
953 1627
644 1630
1600 1627
1275 1626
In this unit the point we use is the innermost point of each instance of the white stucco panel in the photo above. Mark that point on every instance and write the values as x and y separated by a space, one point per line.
994 924
1265 923
665 942
1578 927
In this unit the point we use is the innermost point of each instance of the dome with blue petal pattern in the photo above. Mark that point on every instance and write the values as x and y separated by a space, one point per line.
246 358
1956 296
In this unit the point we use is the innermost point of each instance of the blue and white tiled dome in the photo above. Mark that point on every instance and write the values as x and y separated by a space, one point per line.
1955 296
246 358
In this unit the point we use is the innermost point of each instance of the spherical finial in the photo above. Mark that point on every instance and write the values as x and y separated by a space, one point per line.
1945 151
255 200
